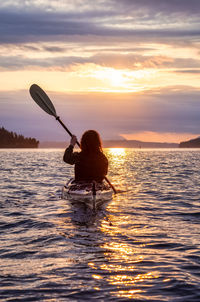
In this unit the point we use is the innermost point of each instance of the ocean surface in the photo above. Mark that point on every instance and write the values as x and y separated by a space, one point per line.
144 245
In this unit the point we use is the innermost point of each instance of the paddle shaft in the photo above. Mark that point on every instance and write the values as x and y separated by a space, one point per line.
114 190
59 120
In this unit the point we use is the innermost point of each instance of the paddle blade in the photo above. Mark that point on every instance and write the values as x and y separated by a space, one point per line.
42 99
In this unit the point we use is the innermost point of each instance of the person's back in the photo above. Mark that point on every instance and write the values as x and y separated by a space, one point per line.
91 163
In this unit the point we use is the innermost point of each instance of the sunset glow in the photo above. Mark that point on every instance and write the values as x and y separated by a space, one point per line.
148 136
136 58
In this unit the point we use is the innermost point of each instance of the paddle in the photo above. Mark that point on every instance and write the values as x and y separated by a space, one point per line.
42 99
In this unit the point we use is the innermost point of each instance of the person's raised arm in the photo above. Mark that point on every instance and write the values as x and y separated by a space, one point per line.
70 157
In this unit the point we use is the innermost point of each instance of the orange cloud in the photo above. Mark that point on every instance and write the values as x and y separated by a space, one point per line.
149 136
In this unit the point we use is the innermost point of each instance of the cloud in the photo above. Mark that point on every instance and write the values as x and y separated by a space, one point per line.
49 21
161 6
171 110
90 6
22 62
189 71
162 137
129 34
131 61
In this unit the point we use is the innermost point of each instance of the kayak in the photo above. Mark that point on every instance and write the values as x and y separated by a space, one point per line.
92 194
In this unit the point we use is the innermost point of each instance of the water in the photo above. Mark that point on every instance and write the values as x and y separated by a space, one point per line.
142 246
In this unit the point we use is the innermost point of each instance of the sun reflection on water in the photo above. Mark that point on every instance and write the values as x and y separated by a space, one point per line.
122 270
117 164
116 152
123 267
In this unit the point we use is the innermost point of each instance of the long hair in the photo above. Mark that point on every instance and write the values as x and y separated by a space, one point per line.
91 142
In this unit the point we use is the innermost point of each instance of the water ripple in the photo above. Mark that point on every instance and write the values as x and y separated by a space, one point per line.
142 246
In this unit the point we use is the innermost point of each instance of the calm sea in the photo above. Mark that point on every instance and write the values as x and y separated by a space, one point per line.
141 246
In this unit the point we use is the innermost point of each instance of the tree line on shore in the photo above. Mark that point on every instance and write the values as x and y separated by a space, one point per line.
13 140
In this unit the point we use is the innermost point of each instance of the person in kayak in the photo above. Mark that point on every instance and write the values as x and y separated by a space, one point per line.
91 163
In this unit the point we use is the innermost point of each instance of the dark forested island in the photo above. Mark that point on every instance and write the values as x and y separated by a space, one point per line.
13 140
193 143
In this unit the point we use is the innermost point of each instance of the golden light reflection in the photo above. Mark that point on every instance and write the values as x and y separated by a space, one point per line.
97 276
117 151
123 269
127 280
118 158
124 260
130 293
121 248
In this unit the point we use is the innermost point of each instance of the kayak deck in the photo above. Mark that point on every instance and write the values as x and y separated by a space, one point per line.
91 194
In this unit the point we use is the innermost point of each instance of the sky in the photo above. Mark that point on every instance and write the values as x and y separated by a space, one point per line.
129 69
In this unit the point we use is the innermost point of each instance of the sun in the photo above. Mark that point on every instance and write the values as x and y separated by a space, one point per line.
114 77
109 79
122 79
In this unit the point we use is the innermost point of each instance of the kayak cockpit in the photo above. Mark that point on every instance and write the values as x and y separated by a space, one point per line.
91 193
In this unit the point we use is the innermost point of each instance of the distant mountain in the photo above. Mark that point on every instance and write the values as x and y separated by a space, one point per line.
13 140
136 144
115 144
193 143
